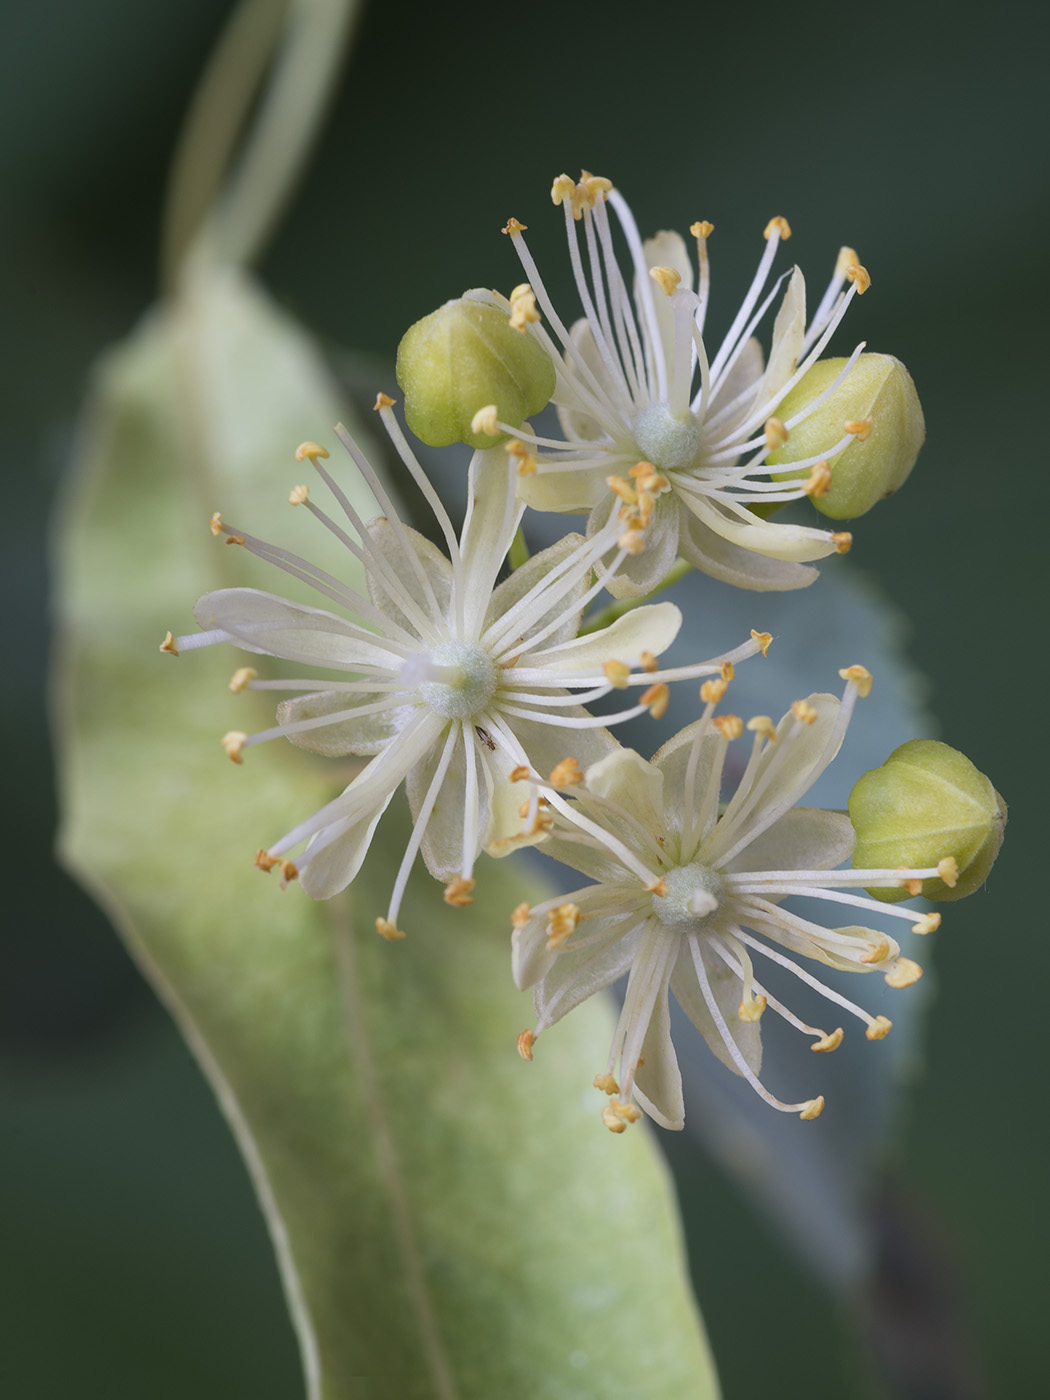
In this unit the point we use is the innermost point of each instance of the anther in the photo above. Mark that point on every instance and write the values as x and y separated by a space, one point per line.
525 1043
519 774
948 871
264 861
879 1028
606 1083
658 887
611 1120
846 259
860 428
289 871
779 225
813 1109
904 973
486 421
751 1011
763 639
567 773
168 645
861 678
512 226
216 524
775 434
656 698
561 924
621 487
520 915
389 931
562 189
818 483
311 450
627 1111
830 1042
522 307
526 462
242 678
927 923
233 743
729 726
298 495
234 539
649 662
617 673
859 276
712 691
632 542
804 712
908 882
666 278
594 187
458 892
762 724
383 401
701 229
843 541
878 951
728 670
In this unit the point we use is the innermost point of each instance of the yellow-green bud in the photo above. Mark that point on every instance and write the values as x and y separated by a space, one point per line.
927 802
462 358
878 460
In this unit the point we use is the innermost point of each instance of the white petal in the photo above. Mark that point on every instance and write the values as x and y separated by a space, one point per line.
805 838
789 330
577 423
727 988
746 371
730 563
576 489
579 973
652 627
493 515
658 1082
529 576
365 735
639 574
273 626
337 853
793 543
626 779
442 844
391 543
672 760
668 249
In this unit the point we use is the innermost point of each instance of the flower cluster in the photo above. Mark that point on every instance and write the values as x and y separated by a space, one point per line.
466 671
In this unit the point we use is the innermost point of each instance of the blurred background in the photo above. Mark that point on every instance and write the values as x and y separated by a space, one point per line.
134 1261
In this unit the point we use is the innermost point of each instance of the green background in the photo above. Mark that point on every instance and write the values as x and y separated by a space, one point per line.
133 1258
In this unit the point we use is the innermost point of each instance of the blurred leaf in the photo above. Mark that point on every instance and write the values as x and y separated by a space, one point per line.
448 1221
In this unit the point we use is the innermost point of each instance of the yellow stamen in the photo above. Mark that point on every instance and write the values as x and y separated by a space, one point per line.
927 923
241 679
523 308
217 526
712 691
751 1011
289 871
658 887
656 698
728 670
843 541
763 639
567 773
234 539
264 861
666 278
382 401
649 662
632 541
512 226
642 469
233 743
818 483
617 673
775 433
879 1028
389 931
311 450
168 645
519 774
626 1111
813 1109
701 229
606 1083
458 892
562 189
861 678
948 871
298 495
614 1123
878 951
486 421
846 259
826 1043
561 924
780 224
621 487
859 427
762 724
804 712
729 726
525 1043
520 916
526 463
904 973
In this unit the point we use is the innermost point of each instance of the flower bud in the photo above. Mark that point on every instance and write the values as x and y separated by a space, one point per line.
879 458
925 803
463 357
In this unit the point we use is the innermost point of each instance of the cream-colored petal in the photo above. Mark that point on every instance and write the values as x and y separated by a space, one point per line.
639 574
672 760
574 490
365 734
652 628
804 838
625 778
394 545
337 853
728 989
442 843
795 544
658 1080
789 330
730 563
578 424
492 519
532 573
667 249
273 626
577 973
745 373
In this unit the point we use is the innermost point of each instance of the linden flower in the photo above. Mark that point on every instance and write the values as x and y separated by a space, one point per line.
638 388
445 680
686 901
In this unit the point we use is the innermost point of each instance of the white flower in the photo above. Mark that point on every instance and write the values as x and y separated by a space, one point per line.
445 679
684 900
636 383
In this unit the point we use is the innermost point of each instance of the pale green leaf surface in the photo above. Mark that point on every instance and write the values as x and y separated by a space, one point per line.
449 1221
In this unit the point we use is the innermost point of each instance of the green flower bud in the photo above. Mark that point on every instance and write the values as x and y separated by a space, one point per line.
927 802
464 357
877 398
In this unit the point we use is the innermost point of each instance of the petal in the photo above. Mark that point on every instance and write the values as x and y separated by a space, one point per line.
577 423
625 778
273 626
658 1081
668 249
672 760
405 568
652 627
552 602
789 330
365 735
578 973
442 843
492 519
731 563
547 743
727 988
575 489
639 574
805 838
336 853
792 543
785 772
745 371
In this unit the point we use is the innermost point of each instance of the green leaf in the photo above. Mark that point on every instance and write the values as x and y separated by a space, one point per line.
449 1221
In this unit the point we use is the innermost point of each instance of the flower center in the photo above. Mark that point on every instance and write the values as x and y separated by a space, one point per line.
456 679
668 442
694 893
